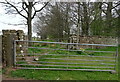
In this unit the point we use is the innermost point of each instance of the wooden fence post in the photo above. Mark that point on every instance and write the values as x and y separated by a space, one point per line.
9 50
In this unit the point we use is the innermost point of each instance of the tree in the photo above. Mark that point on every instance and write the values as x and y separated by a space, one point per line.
97 22
56 21
27 7
84 18
67 23
105 19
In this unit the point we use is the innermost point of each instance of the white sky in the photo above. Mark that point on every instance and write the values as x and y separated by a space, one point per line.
7 19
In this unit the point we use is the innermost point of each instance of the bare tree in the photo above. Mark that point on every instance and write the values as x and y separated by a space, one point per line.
27 7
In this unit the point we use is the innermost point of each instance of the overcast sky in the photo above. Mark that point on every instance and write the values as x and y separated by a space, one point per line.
7 19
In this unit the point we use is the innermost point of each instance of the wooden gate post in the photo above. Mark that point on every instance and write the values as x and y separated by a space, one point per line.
9 50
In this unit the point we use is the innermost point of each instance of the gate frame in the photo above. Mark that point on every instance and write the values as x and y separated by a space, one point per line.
112 71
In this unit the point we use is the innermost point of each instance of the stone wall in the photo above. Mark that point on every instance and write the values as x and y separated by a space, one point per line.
95 40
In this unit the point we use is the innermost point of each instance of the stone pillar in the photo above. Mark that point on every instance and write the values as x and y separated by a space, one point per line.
9 50
7 45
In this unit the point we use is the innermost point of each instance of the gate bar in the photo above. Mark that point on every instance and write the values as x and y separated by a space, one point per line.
69 55
66 43
63 66
69 63
69 59
63 69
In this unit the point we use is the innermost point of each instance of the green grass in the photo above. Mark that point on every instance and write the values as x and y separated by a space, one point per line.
63 75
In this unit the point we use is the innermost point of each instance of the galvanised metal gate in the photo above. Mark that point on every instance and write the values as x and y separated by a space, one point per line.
64 56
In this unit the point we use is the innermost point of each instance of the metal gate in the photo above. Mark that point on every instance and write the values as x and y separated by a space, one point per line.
64 56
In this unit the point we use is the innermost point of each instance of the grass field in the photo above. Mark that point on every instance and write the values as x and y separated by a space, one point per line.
67 75
63 75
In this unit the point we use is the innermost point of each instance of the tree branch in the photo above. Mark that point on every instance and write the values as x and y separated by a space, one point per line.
116 6
34 3
24 8
39 10
15 9
104 11
117 11
13 12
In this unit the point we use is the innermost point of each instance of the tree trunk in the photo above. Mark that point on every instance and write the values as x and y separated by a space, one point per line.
29 21
118 31
67 22
78 25
85 26
109 18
